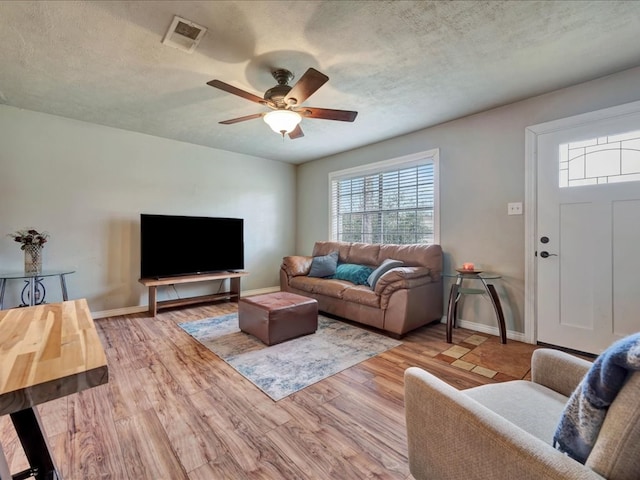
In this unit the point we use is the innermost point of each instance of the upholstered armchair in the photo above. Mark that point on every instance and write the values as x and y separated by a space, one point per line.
505 430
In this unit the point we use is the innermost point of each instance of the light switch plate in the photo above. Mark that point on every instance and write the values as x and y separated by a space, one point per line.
514 208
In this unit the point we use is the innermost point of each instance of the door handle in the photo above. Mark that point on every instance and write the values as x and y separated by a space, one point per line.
545 254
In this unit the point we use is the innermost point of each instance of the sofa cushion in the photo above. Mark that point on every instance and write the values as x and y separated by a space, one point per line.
331 288
324 265
415 255
363 295
530 406
356 274
320 286
323 248
364 254
304 283
425 255
387 265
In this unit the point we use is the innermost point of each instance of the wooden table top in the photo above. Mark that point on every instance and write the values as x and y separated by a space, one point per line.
46 352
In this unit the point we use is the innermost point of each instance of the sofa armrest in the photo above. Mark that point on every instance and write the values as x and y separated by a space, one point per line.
451 436
558 370
402 277
296 265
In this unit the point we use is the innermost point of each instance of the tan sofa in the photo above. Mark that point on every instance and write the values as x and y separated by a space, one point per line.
403 299
505 430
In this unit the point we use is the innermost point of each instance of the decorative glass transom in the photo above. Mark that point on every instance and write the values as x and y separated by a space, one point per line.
610 159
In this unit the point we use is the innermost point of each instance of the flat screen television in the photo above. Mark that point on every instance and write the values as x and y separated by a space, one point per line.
173 245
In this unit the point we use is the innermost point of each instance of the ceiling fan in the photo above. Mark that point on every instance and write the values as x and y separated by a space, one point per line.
285 102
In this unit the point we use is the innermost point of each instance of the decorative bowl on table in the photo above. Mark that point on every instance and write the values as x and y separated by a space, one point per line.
468 271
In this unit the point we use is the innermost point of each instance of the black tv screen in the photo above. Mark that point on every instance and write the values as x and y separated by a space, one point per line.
172 245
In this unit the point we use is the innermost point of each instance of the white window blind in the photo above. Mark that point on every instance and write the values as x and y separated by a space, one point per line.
396 204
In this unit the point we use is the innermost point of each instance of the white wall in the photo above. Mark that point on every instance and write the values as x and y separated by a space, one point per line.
481 170
87 185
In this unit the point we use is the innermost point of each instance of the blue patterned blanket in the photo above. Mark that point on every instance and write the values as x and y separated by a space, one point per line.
584 413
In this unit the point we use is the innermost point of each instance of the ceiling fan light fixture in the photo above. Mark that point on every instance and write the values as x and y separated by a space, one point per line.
282 121
285 116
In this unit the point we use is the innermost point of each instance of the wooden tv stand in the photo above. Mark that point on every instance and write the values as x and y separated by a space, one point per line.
154 283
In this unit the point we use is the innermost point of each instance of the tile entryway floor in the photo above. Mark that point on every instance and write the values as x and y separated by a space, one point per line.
486 356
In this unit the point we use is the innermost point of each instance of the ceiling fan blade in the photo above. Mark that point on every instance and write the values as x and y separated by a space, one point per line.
328 114
242 119
311 81
296 133
236 91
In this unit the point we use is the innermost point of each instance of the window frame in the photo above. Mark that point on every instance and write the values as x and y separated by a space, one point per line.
407 161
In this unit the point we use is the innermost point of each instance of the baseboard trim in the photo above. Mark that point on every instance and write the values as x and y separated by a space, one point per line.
116 312
260 291
488 329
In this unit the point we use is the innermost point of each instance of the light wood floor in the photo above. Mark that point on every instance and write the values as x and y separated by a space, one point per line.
174 410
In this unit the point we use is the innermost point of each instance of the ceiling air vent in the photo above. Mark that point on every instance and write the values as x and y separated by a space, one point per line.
184 34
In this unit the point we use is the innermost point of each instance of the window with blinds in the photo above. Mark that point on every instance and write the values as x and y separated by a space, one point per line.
387 202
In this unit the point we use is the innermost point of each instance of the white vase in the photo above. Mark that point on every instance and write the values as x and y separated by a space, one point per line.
33 258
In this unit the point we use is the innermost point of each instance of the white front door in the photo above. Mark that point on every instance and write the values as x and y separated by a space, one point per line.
588 233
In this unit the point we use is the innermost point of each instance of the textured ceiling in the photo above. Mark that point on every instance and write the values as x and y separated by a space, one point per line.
403 65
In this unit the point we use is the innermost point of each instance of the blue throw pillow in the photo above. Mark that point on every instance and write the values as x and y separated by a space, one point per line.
324 266
387 265
353 273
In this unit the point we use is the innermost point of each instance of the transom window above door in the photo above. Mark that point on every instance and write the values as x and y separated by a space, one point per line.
609 159
394 201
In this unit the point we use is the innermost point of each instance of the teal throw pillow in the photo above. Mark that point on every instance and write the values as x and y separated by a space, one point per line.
353 273
324 266
387 265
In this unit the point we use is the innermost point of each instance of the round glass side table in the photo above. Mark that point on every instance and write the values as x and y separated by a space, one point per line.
33 292
457 290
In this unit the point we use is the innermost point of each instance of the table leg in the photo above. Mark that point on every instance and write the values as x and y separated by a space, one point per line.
153 301
495 299
32 291
451 311
234 288
29 429
3 283
63 287
5 473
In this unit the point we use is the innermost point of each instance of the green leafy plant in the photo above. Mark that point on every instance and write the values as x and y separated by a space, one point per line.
29 237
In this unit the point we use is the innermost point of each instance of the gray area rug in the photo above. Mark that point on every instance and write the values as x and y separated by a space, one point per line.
283 369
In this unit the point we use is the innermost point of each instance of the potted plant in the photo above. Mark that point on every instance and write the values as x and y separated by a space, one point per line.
31 242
